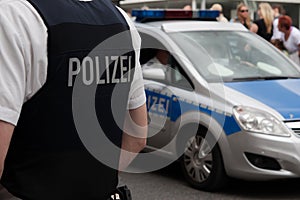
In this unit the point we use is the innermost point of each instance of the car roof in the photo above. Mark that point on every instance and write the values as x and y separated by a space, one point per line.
191 25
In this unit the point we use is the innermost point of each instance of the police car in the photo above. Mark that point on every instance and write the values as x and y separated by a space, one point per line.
228 104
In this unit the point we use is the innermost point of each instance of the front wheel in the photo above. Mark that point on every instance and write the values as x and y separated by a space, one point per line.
202 164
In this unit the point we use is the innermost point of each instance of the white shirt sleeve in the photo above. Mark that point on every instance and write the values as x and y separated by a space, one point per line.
293 41
276 33
137 95
296 36
23 56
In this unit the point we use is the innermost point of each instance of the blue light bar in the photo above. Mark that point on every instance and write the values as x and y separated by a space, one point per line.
208 14
167 14
143 14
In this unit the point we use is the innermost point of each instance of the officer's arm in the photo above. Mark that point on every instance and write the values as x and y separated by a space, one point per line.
134 137
6 131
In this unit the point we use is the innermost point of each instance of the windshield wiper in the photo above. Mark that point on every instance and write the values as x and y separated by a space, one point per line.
254 78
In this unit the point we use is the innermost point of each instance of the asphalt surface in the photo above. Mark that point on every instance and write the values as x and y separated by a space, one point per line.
169 184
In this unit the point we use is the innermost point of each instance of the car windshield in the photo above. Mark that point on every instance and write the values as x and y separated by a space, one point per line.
234 56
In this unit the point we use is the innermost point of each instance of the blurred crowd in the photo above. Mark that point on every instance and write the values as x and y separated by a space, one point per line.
271 23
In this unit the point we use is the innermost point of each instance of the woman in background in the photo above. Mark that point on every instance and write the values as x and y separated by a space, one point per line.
219 8
243 16
264 25
290 38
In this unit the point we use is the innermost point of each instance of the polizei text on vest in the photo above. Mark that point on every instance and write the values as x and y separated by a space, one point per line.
114 69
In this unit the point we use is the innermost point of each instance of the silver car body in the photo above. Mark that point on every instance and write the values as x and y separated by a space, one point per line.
211 105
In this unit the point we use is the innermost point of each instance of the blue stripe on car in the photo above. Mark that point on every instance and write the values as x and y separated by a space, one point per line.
281 95
174 107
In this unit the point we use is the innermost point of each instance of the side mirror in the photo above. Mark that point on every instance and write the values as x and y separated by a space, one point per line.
154 73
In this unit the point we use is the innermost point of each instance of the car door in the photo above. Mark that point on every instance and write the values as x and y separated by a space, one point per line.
167 94
164 90
158 106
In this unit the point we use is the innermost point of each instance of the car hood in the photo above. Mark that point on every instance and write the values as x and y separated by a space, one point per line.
281 95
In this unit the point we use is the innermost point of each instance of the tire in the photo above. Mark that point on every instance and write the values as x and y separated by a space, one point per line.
202 166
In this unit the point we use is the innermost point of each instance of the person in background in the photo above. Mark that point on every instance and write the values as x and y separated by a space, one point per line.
160 60
278 11
290 38
243 16
187 7
219 8
145 8
264 25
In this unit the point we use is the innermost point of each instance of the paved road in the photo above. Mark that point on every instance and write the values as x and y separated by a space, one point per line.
169 184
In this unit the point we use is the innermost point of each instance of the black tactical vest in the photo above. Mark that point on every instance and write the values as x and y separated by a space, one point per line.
47 160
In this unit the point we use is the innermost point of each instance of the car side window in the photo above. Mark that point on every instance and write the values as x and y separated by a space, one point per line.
154 59
178 76
160 65
156 66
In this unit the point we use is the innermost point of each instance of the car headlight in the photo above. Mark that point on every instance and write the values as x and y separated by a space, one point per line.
254 120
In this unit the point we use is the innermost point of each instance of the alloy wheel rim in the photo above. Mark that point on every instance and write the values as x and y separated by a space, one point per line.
198 159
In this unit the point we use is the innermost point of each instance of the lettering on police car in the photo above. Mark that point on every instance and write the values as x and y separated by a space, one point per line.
158 104
90 68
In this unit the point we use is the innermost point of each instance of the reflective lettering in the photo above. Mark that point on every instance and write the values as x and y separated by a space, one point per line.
153 108
90 69
99 81
87 65
123 68
158 104
72 72
114 79
161 105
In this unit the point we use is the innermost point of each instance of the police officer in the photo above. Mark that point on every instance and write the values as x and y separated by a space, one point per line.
160 60
45 54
